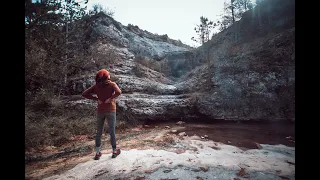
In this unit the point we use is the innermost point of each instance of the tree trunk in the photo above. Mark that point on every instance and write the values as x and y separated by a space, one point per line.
65 72
269 18
232 11
259 19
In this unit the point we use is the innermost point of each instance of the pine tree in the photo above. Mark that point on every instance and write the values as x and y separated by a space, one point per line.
203 30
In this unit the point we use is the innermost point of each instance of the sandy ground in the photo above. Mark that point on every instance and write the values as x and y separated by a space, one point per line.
221 151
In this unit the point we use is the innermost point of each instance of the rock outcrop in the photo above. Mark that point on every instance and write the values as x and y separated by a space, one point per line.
246 72
252 70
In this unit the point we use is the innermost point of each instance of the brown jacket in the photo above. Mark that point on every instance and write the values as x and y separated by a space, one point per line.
110 91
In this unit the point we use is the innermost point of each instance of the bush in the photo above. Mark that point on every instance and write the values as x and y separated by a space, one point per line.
149 63
41 100
100 9
54 129
138 71
105 57
48 122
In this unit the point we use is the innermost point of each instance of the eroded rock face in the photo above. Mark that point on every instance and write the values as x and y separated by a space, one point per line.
136 40
145 106
126 42
267 93
251 80
155 107
247 77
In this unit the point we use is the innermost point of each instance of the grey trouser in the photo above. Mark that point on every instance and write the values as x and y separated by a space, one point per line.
111 118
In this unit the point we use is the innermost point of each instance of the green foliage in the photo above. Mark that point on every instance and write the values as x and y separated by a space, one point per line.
233 11
54 46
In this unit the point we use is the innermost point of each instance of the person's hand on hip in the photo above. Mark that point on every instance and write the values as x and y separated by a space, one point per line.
107 100
99 102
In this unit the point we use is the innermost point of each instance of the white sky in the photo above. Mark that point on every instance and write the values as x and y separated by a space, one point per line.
176 18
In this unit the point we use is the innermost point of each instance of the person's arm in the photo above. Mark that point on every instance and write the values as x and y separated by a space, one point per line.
88 93
116 93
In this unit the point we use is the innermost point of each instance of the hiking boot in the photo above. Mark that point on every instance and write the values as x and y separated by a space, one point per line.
115 153
97 156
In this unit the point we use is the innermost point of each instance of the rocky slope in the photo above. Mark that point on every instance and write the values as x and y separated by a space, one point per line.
251 74
246 72
150 96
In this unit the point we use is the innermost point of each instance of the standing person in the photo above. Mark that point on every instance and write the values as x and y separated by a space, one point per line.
106 92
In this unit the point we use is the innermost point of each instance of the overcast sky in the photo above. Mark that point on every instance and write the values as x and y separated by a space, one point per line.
176 18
